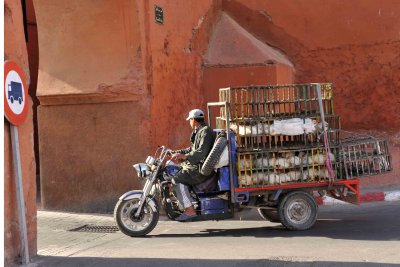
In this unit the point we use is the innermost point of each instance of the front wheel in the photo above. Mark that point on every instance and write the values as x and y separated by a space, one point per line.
124 215
298 210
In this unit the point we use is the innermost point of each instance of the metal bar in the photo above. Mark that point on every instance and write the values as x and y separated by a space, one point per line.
356 161
230 152
308 99
349 166
208 114
321 107
216 104
23 234
294 186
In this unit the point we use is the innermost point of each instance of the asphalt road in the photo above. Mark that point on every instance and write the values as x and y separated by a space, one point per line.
344 235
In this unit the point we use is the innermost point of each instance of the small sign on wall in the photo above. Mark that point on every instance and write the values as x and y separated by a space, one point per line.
159 14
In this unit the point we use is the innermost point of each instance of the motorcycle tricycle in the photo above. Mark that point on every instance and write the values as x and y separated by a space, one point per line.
283 183
294 205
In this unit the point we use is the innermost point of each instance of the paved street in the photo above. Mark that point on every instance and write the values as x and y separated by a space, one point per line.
345 235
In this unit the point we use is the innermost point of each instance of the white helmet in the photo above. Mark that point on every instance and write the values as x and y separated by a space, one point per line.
195 114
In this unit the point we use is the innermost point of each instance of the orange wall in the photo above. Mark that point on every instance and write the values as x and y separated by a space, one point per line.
94 108
15 50
126 84
221 77
332 23
102 54
176 49
97 50
354 44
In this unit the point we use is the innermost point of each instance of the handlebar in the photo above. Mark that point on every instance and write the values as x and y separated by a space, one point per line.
165 149
164 152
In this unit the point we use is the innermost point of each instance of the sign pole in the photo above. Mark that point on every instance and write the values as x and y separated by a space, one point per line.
15 110
20 194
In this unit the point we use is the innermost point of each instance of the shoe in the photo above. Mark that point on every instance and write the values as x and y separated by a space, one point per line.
185 218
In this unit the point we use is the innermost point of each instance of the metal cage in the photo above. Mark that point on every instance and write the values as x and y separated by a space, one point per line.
263 134
261 169
364 156
283 101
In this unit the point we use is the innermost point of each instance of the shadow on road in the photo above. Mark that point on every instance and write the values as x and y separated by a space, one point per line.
330 229
369 222
48 261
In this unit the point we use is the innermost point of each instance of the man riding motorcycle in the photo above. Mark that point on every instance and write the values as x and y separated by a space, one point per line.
191 159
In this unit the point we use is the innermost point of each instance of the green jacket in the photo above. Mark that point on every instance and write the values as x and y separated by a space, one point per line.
202 142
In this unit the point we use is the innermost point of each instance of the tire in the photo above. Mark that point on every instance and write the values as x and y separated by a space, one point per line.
19 100
213 156
271 215
123 215
12 100
298 211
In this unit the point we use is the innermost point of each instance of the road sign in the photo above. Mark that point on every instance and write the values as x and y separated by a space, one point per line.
15 110
15 93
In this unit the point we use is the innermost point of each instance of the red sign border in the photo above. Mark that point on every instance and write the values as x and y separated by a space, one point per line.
15 119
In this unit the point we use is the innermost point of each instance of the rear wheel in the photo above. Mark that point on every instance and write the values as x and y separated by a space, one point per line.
124 215
298 210
271 214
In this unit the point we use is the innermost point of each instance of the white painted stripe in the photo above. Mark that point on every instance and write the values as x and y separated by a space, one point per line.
332 201
392 196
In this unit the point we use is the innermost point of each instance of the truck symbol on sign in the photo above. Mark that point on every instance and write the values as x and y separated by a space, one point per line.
15 92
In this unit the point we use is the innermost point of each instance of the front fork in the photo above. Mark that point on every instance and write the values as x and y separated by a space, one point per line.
146 192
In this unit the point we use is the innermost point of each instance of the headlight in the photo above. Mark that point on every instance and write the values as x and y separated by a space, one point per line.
142 169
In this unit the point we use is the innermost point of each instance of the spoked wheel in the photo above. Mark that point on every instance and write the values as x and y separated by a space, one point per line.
124 215
271 215
298 211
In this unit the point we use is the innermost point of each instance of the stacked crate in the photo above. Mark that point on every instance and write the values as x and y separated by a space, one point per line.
278 133
279 137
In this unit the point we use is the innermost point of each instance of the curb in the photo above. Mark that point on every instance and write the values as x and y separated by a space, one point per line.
367 197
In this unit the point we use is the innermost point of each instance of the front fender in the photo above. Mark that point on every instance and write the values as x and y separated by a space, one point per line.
138 194
131 194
